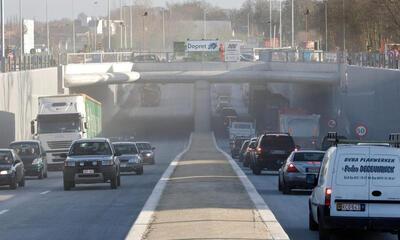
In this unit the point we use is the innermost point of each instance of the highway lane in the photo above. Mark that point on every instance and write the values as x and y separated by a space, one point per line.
292 210
43 210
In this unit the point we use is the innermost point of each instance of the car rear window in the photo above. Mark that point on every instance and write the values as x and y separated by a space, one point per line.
308 157
277 142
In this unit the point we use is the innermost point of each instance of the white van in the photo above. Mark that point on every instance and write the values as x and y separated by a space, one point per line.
358 188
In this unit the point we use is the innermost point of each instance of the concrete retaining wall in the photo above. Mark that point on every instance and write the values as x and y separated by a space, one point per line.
19 92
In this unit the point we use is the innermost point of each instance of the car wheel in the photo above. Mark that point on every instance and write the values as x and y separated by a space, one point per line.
68 185
312 225
13 184
22 182
119 180
256 169
140 171
113 182
324 233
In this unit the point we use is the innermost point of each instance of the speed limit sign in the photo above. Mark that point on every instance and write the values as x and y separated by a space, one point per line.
361 130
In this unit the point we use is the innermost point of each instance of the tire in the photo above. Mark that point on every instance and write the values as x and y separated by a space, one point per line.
324 233
140 171
119 180
13 184
114 182
256 169
312 225
68 185
22 182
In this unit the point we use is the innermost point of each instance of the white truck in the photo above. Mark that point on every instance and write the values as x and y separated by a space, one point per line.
304 128
63 119
241 130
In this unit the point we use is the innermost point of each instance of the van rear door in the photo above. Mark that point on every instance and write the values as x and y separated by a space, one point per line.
384 173
350 186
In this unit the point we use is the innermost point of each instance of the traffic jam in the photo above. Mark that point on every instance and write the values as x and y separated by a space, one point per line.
353 184
65 138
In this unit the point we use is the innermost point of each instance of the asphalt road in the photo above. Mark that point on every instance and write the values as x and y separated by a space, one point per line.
42 210
292 210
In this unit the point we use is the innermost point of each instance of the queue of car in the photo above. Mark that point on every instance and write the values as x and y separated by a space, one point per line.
95 160
354 184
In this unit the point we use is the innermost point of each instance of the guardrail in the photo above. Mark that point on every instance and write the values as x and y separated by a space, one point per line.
378 60
27 62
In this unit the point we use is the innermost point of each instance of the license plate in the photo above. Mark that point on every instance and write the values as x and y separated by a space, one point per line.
88 171
313 170
350 207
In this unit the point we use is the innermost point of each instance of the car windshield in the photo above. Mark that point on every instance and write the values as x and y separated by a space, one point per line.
277 142
308 156
26 149
126 149
58 124
6 157
90 148
143 146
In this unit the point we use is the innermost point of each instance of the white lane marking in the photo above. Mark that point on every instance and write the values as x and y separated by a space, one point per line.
3 211
269 219
45 192
142 223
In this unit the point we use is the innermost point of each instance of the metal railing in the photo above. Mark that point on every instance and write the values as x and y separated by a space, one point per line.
27 62
378 60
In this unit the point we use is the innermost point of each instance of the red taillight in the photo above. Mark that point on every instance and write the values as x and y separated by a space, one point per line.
291 168
259 150
328 194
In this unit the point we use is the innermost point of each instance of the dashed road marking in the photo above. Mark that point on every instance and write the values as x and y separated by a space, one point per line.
45 192
3 211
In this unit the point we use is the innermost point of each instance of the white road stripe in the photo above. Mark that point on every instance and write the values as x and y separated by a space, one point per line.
142 223
45 192
3 211
274 227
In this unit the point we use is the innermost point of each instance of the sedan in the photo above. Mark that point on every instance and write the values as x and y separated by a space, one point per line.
12 170
130 159
147 152
300 169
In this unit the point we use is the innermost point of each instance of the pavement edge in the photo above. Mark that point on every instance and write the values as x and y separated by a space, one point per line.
275 229
143 221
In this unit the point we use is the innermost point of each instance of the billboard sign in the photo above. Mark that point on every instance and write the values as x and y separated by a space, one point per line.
29 35
202 46
232 51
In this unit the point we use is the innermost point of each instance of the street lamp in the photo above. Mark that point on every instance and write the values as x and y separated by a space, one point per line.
307 13
21 26
163 29
131 24
326 25
292 23
270 20
109 25
145 14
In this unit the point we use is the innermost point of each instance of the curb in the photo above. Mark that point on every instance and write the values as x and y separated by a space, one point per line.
143 221
272 224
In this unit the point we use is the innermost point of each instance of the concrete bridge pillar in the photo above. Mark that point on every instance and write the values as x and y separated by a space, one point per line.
202 107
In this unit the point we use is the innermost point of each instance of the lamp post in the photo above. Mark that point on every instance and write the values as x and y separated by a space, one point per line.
280 23
270 20
47 27
145 14
73 28
3 42
293 24
21 29
121 27
248 25
204 24
109 25
163 29
344 26
307 13
131 24
326 25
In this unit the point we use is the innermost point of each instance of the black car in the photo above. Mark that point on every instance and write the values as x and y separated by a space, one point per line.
243 150
272 150
147 152
34 157
236 145
11 169
91 161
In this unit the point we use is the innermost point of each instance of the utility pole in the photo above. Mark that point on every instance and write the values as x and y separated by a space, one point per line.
3 42
109 26
205 24
280 23
248 25
21 29
163 29
326 26
307 13
73 28
293 24
270 20
47 27
121 26
131 24
344 26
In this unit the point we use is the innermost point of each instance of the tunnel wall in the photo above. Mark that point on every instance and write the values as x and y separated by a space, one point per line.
19 92
369 96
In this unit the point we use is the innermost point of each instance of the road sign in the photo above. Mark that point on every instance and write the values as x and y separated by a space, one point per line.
361 130
332 123
202 46
232 51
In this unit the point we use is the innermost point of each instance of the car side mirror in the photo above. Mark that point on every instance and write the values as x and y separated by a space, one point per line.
63 155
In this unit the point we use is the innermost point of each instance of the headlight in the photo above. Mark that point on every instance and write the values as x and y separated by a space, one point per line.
5 172
148 154
37 161
107 162
69 163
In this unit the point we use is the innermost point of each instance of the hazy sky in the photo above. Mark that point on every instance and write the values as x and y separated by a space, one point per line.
35 9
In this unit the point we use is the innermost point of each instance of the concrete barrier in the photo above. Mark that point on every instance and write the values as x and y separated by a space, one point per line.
19 92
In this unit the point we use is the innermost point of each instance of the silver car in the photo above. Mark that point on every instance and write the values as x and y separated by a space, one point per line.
300 169
130 158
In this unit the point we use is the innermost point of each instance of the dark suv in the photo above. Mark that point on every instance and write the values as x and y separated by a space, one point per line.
271 152
91 161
